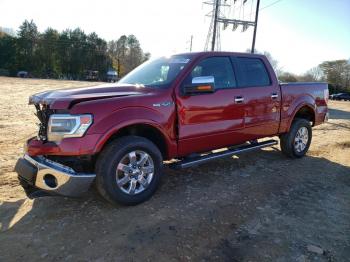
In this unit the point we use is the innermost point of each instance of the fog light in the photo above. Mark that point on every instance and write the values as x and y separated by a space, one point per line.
50 181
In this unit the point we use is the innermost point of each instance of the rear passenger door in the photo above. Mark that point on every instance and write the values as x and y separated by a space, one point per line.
261 96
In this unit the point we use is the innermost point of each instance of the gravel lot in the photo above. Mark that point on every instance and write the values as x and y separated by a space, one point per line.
259 206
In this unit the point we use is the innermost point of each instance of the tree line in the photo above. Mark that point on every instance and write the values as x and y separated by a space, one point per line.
68 54
336 73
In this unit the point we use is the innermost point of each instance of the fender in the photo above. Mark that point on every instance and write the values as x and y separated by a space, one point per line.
128 116
289 111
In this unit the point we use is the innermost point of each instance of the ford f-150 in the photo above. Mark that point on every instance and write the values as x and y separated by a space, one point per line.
177 108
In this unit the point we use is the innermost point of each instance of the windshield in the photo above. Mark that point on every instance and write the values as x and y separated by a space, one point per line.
156 73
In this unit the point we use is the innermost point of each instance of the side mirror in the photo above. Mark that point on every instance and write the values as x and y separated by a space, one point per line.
200 85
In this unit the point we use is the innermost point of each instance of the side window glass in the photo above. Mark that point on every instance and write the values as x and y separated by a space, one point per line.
252 72
218 67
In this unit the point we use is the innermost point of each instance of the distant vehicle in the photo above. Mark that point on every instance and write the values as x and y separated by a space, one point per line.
91 75
333 96
112 76
341 96
23 74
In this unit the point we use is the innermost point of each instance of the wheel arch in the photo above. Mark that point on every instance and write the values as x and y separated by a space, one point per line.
304 111
145 130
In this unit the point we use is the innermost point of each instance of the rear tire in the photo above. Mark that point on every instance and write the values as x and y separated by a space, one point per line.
296 142
128 170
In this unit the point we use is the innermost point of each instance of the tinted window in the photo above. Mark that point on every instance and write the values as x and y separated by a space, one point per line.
252 72
218 67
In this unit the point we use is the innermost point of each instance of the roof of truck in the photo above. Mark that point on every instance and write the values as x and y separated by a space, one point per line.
219 53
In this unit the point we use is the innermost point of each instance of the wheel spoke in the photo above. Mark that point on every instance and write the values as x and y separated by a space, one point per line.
143 181
132 187
132 157
121 182
123 168
143 160
300 147
147 169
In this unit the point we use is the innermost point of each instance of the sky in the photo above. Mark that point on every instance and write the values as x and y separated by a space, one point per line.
300 34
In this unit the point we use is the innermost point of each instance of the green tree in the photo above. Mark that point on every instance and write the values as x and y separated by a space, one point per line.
8 54
26 46
47 54
337 73
69 54
126 53
99 59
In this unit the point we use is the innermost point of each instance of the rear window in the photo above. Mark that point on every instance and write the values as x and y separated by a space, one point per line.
252 72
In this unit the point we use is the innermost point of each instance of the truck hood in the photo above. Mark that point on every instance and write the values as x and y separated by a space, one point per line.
66 98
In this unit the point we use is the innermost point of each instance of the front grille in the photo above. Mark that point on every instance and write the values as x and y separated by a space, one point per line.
43 113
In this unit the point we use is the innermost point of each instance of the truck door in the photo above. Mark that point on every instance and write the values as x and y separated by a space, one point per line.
210 120
262 96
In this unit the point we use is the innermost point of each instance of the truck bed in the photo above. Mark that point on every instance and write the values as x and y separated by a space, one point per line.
295 95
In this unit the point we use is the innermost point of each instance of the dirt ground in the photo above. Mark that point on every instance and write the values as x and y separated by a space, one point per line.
260 206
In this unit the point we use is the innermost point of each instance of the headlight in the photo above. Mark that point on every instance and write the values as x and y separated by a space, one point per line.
62 126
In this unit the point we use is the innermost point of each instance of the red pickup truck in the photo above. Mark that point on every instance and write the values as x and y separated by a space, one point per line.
177 108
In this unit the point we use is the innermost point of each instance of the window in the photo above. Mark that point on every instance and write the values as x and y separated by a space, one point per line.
218 67
160 72
252 72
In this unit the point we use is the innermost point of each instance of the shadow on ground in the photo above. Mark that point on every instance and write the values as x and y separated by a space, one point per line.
260 207
338 114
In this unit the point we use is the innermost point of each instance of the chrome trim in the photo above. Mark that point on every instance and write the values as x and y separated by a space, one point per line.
229 152
203 80
69 182
239 99
273 96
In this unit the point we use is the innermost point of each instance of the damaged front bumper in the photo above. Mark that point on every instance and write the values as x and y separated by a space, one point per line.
40 176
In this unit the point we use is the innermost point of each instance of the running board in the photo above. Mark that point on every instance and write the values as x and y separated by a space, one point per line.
229 152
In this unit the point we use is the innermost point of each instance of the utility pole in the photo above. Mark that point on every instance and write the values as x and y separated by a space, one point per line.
217 18
256 25
191 43
118 69
216 11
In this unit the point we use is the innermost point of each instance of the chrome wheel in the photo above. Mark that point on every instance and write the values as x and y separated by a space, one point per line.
135 172
301 139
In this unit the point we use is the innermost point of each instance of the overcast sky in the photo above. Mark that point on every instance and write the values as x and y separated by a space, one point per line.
299 33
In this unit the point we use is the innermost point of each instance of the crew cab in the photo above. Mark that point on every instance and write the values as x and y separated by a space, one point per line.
179 108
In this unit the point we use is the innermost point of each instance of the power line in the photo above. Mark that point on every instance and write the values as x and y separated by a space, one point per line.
270 5
267 6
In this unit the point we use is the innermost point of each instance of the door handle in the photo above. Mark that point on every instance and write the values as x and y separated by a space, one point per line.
274 95
239 99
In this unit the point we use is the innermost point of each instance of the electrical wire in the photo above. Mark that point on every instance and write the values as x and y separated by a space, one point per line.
270 5
267 6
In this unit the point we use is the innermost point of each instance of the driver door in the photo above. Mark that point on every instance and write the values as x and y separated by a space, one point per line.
210 120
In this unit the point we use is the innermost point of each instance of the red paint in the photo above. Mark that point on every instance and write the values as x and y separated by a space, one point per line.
189 124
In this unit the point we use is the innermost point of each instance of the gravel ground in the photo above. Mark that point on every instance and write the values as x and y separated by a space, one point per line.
260 206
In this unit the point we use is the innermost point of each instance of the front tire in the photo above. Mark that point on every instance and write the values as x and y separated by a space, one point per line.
296 142
128 171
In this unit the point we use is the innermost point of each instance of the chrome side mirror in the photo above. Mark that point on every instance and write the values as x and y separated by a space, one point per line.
200 85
